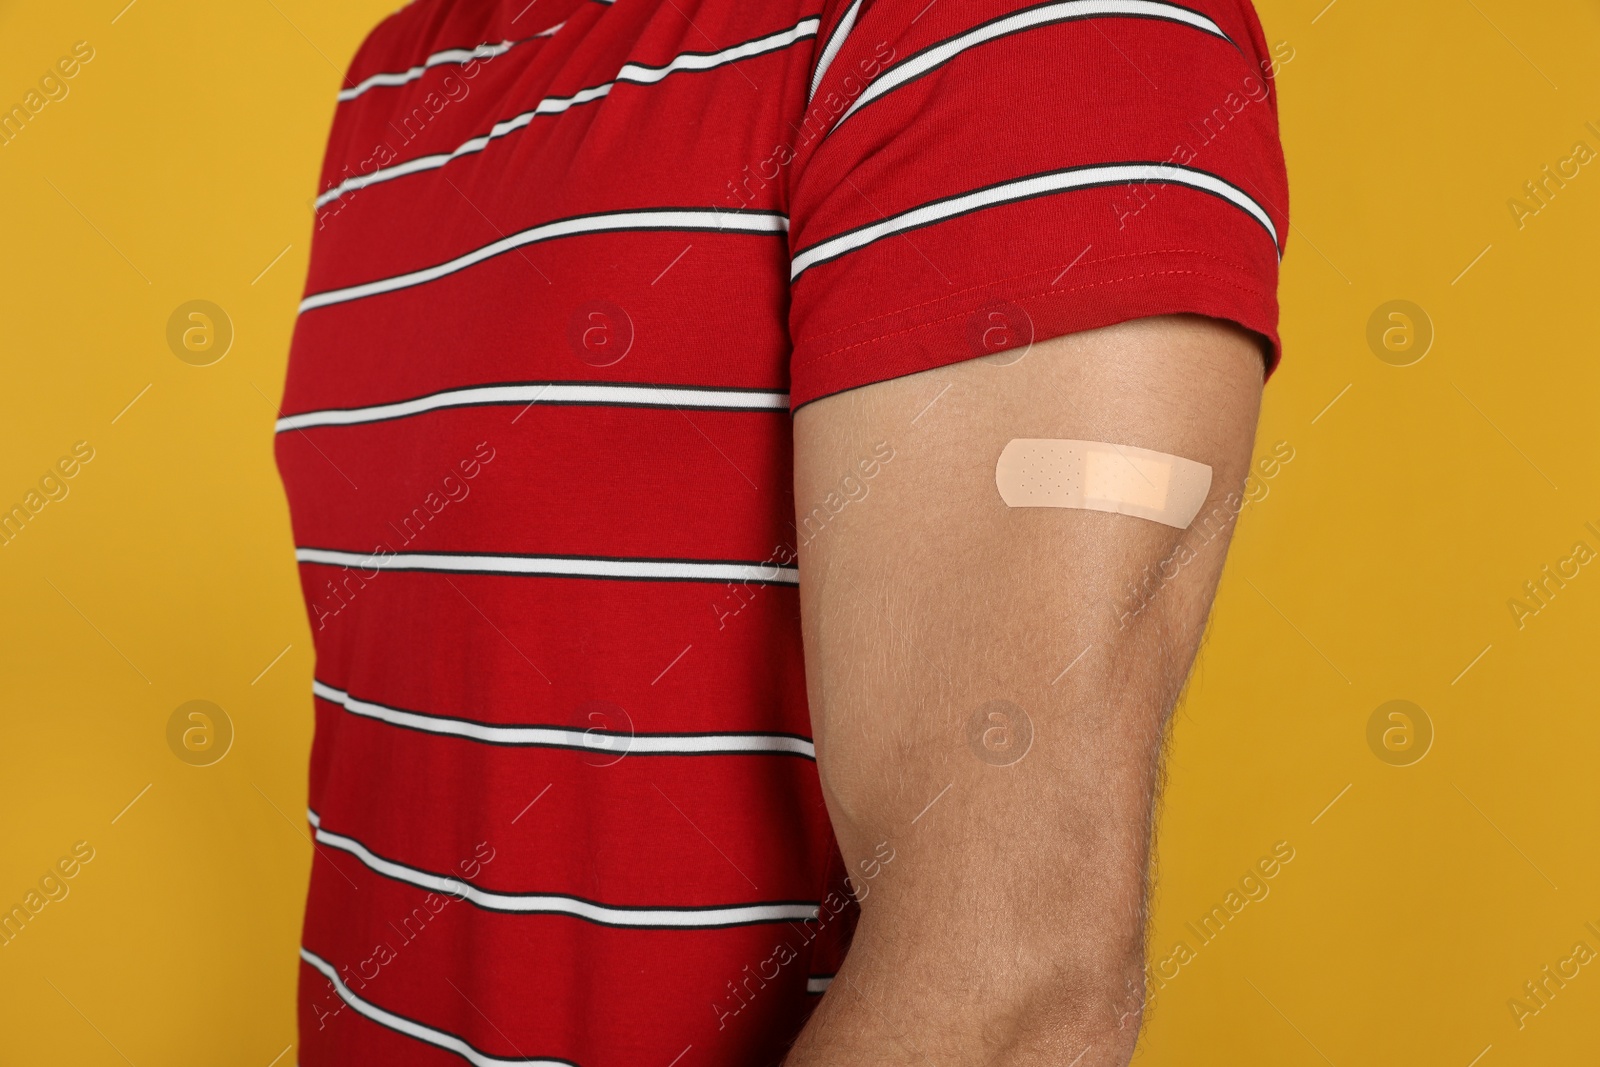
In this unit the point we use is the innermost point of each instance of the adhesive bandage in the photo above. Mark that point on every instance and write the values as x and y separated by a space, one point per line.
1095 476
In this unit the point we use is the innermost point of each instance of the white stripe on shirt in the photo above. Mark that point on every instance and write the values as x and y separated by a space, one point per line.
451 56
585 740
937 55
710 918
412 1028
630 73
1030 187
835 42
686 397
557 566
697 219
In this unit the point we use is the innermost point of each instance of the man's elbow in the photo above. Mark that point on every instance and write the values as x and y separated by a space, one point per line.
1087 1015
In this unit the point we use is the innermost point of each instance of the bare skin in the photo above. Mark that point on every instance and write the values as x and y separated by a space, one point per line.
1008 927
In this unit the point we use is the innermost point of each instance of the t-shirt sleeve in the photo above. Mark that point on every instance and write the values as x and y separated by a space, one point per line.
974 176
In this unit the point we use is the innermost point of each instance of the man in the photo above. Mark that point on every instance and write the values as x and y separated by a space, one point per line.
638 701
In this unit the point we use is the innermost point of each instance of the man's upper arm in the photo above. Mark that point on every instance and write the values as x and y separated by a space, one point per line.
988 694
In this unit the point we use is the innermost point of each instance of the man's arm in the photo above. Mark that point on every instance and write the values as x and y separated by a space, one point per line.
1008 927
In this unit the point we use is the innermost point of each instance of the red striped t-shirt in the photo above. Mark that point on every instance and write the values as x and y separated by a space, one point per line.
575 263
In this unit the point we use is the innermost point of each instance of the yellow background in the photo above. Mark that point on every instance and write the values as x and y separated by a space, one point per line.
1378 567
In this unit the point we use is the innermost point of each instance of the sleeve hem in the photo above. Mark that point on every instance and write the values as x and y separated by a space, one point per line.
1103 293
